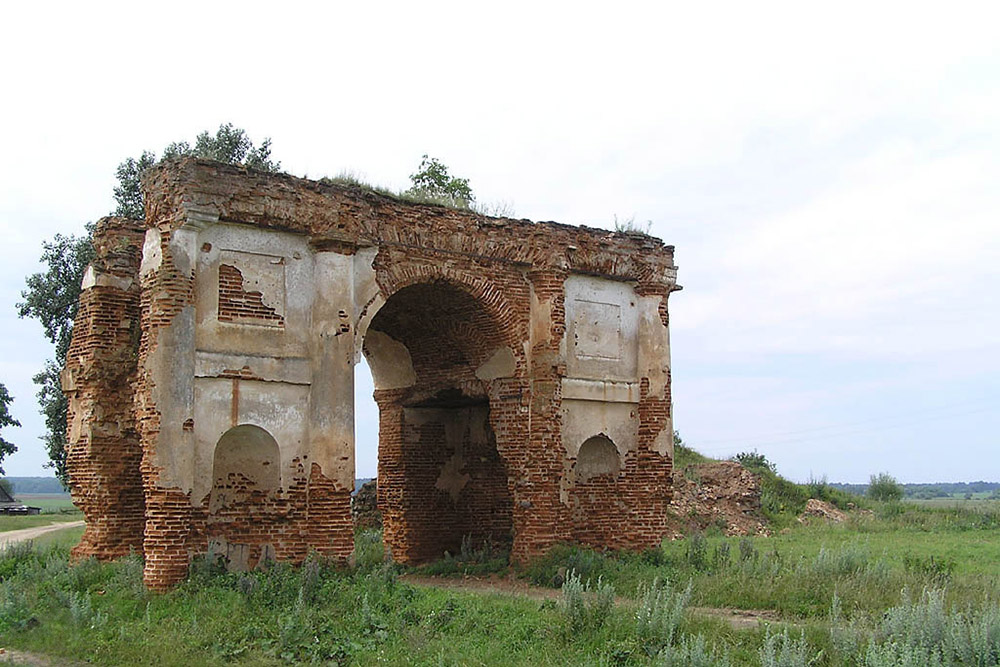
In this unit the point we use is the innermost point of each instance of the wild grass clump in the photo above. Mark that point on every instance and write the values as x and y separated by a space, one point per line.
692 651
551 570
926 628
585 606
369 551
659 614
820 489
848 559
780 500
784 650
475 557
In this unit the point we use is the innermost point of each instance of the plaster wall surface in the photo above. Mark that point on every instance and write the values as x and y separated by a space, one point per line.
498 348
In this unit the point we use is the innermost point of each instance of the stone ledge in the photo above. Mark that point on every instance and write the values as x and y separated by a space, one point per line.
600 390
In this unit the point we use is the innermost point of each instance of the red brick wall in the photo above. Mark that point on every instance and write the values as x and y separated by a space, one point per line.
102 460
236 304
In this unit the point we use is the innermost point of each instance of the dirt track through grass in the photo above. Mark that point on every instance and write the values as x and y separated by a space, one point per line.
25 534
738 619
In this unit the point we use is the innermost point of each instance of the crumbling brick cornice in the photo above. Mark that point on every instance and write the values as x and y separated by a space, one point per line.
352 216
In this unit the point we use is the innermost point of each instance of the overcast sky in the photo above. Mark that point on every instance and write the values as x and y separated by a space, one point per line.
829 175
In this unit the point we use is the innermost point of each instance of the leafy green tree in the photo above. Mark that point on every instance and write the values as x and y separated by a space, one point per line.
884 487
51 296
6 448
229 144
432 182
128 192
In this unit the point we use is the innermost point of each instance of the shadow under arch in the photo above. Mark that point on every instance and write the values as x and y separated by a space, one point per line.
598 456
246 467
439 360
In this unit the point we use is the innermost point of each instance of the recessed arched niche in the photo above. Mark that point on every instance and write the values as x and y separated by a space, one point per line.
247 462
598 456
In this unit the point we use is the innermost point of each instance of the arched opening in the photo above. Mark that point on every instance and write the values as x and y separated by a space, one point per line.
246 468
598 456
435 354
597 496
364 507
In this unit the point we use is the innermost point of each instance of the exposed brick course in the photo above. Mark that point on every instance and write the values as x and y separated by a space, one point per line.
103 450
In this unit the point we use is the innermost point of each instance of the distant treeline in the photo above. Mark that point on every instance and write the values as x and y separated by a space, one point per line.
35 485
936 490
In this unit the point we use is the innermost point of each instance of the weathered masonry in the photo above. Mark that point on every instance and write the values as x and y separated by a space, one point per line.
521 370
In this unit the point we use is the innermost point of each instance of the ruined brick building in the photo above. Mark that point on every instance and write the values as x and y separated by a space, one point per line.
521 370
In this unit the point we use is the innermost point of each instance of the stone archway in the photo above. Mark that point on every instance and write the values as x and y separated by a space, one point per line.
434 351
498 347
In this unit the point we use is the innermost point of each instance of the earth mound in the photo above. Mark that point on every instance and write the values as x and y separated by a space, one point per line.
719 493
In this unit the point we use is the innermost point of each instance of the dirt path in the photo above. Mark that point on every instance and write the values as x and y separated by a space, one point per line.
9 656
25 534
739 619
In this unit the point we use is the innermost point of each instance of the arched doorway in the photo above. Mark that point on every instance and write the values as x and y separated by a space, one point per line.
436 355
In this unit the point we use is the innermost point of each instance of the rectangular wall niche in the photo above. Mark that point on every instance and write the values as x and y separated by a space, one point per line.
603 323
251 289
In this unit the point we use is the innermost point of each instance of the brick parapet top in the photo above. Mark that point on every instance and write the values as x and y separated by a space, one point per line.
339 216
117 242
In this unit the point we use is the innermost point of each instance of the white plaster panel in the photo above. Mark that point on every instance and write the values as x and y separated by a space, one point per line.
501 364
261 273
212 417
602 327
389 361
278 408
654 363
93 277
600 390
654 350
582 420
279 265
152 254
331 397
171 362
367 296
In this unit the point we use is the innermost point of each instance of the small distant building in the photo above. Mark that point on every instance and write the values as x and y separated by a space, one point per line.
9 505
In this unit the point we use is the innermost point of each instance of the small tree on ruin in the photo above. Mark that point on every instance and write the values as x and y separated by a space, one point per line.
51 296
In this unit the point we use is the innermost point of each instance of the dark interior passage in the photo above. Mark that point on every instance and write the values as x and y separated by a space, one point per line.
441 477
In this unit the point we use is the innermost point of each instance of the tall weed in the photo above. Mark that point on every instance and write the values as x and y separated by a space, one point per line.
585 607
659 614
782 650
692 651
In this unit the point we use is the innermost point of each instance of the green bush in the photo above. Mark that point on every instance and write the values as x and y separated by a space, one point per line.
368 548
884 487
755 461
551 569
781 500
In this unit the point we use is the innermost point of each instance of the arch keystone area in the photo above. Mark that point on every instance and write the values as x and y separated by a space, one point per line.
217 412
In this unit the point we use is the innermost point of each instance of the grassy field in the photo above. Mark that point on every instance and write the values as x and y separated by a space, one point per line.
56 508
51 503
901 585
876 569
